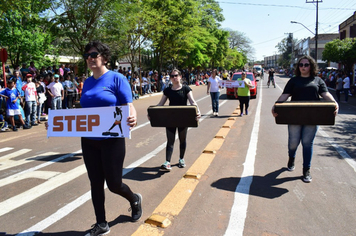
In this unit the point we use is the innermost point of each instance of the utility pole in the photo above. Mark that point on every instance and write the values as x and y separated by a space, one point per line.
316 27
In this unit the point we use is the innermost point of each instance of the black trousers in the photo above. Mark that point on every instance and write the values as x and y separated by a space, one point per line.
244 101
104 161
171 133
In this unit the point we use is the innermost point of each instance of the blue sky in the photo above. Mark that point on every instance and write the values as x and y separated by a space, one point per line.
266 23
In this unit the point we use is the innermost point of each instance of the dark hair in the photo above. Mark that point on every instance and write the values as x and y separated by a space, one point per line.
13 79
313 66
102 48
178 71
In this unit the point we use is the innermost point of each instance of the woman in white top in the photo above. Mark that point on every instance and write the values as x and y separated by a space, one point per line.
346 87
214 89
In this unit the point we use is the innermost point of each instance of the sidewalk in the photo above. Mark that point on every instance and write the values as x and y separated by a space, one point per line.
351 100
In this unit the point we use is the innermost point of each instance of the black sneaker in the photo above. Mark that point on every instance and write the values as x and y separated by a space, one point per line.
99 229
27 127
34 124
14 128
136 208
290 165
306 175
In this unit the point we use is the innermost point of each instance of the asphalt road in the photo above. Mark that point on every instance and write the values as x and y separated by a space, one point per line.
244 187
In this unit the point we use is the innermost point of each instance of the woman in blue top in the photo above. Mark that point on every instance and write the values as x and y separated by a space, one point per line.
104 158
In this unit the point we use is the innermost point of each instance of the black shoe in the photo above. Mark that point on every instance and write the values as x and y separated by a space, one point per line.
99 229
136 208
34 124
27 127
14 128
290 165
306 175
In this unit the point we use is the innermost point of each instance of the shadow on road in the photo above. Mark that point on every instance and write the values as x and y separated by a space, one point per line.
262 186
146 173
119 219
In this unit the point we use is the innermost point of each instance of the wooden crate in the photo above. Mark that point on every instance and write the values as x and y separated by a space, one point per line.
305 113
173 116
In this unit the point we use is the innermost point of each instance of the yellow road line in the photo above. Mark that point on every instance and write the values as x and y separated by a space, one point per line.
177 198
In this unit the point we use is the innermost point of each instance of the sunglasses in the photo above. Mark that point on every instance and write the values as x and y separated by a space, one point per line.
92 55
305 64
172 76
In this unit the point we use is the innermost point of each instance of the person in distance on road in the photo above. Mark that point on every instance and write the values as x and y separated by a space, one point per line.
243 93
178 95
214 89
305 86
104 157
271 77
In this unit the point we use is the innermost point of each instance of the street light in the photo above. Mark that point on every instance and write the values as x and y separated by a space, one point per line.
294 22
315 36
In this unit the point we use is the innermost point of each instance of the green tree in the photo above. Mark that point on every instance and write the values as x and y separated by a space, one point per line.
169 23
285 47
221 48
341 51
234 59
26 36
77 22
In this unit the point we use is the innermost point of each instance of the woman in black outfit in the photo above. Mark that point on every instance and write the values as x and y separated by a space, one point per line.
178 95
305 86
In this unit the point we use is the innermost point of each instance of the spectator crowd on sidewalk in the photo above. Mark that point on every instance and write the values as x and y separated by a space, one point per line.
34 91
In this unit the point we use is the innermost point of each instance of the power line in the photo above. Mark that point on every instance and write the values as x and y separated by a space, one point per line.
289 6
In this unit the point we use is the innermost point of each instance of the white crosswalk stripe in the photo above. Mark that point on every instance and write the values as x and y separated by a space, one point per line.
11 163
14 154
5 149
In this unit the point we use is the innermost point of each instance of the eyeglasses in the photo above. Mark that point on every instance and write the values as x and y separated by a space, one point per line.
172 76
92 55
305 64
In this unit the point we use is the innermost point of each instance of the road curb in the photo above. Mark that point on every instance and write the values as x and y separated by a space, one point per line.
177 198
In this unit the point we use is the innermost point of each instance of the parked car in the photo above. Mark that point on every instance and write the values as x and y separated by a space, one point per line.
250 76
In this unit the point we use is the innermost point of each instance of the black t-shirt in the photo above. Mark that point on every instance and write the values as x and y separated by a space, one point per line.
305 88
271 73
40 89
177 97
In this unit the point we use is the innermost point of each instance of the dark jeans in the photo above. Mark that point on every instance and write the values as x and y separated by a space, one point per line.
70 97
215 101
171 133
346 92
104 161
338 95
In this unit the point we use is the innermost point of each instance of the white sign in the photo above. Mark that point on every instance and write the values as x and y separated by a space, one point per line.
228 84
109 122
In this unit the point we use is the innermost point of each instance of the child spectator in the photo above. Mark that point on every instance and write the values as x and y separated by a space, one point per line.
12 95
3 123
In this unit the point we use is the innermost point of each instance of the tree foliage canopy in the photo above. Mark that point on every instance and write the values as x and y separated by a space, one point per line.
174 33
341 51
